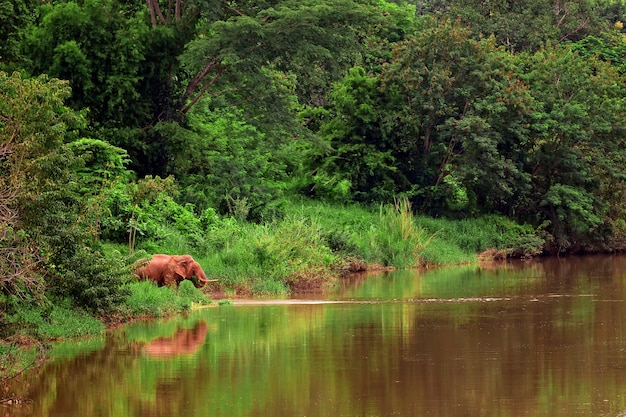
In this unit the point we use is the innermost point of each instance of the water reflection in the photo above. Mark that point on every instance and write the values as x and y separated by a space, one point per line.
545 338
184 342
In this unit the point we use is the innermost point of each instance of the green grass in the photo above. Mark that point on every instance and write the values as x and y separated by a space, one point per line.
54 321
147 299
443 252
473 236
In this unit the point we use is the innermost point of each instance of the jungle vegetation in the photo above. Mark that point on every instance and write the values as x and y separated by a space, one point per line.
284 142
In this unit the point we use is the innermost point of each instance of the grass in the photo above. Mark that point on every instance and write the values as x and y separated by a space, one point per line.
31 324
54 321
147 299
473 236
58 320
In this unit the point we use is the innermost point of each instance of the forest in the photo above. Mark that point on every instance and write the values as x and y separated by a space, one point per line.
283 143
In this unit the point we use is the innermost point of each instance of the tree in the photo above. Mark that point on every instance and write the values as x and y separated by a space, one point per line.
136 68
444 123
456 118
15 15
225 163
577 155
358 160
32 125
609 47
101 53
46 240
527 24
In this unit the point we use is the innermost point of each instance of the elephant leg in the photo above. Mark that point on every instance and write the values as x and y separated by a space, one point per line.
170 280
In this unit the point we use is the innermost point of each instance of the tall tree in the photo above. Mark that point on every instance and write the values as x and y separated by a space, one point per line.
32 120
444 123
100 52
46 239
457 118
577 156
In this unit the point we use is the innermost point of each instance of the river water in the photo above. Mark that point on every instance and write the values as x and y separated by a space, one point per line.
539 338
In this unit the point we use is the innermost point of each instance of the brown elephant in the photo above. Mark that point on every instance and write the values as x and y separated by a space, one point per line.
172 269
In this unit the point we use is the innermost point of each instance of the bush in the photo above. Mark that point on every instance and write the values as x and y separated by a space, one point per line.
93 281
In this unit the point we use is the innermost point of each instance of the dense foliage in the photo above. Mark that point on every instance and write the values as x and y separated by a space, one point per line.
217 128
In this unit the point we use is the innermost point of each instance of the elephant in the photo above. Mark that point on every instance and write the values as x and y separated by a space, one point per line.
172 269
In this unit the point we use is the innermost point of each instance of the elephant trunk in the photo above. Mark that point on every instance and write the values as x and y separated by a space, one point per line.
200 279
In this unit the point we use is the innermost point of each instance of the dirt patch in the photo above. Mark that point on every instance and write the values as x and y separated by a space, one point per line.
493 255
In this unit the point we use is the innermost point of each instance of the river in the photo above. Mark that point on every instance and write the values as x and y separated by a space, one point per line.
545 337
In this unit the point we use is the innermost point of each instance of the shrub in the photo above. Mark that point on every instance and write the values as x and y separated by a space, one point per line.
93 281
397 240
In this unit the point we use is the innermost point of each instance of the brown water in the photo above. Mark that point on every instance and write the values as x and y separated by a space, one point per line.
543 338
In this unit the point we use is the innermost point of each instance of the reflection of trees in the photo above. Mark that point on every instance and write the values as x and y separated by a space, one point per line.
184 342
82 386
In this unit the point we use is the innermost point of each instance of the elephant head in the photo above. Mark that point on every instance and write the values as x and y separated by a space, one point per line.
185 267
170 269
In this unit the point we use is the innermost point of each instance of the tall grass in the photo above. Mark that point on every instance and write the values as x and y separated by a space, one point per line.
147 299
397 240
274 258
473 236
295 252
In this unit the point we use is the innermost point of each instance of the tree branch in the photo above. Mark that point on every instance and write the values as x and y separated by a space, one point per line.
232 9
177 10
155 11
152 14
205 87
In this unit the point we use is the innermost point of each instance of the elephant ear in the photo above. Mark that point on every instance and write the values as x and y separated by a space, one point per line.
183 265
181 268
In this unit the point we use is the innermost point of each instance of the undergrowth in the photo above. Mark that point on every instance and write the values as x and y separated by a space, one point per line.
148 299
